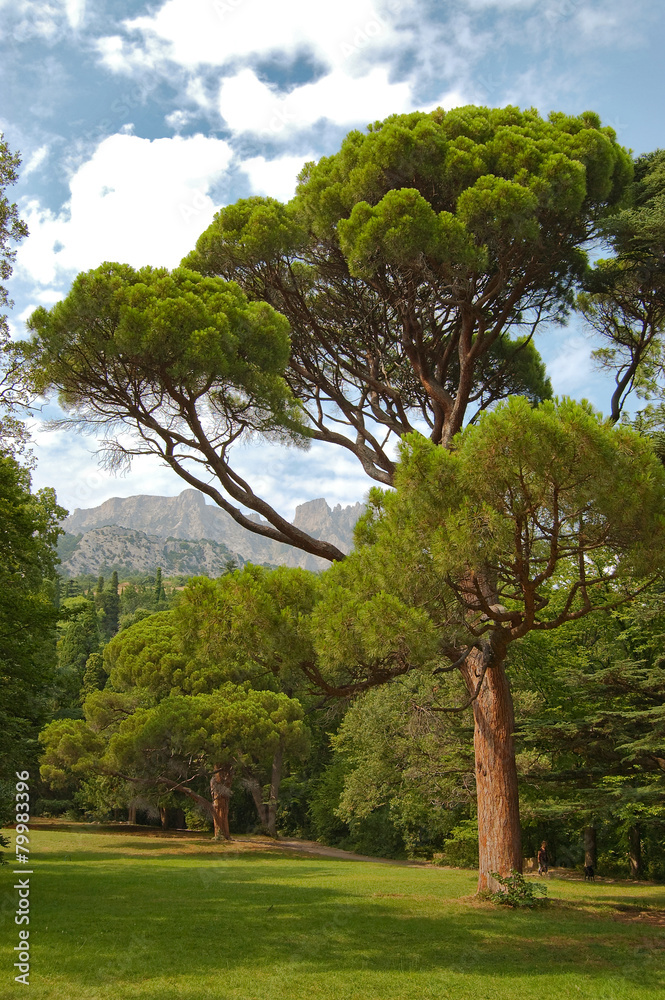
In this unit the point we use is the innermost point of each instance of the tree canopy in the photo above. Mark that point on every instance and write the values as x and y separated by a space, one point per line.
412 269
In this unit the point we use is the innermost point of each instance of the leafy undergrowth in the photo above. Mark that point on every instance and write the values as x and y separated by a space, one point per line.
152 917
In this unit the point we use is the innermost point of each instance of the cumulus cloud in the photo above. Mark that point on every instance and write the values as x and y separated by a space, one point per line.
197 32
136 200
275 178
248 105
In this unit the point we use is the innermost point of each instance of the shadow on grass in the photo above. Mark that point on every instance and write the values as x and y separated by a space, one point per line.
311 917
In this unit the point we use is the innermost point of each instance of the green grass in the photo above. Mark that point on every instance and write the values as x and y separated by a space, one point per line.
115 916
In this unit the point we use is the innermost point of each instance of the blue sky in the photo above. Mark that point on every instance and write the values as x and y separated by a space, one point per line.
136 121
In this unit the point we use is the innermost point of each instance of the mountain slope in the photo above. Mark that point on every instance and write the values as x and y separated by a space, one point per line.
149 521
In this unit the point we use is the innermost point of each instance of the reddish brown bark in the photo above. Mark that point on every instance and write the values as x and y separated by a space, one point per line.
499 831
220 790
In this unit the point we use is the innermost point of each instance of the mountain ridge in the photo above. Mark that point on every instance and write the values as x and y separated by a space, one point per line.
187 517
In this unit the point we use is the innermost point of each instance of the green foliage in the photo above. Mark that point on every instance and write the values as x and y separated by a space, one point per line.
71 749
232 725
199 334
400 756
147 655
107 602
593 732
27 612
169 714
564 513
251 624
94 677
508 164
460 849
518 891
624 300
12 230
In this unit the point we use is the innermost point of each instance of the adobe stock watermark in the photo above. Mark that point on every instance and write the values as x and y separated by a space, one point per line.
22 885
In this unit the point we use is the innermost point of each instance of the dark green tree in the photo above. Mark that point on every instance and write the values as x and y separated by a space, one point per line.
107 601
12 231
80 637
159 593
94 676
533 519
27 612
593 742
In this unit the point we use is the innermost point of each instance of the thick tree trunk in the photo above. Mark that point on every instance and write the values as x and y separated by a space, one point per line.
590 847
635 851
499 831
131 814
164 817
220 790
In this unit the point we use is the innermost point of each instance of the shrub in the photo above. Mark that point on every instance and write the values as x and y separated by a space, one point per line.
460 850
517 891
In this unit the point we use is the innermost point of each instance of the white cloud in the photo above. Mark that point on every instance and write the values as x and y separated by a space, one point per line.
35 161
248 105
74 9
572 369
197 32
136 201
121 57
33 18
275 178
178 119
68 463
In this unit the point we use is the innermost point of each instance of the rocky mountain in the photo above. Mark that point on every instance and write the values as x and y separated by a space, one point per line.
144 532
101 550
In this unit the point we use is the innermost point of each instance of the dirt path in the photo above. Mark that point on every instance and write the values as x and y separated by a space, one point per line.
311 847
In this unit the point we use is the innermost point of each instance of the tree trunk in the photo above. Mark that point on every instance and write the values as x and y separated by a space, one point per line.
590 847
275 782
635 851
499 831
164 817
132 814
220 789
261 807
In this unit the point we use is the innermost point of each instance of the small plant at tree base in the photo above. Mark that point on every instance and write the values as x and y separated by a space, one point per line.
516 891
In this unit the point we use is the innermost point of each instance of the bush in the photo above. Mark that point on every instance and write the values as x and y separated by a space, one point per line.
517 891
460 850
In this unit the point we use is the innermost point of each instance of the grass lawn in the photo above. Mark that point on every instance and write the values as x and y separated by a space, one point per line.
115 916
